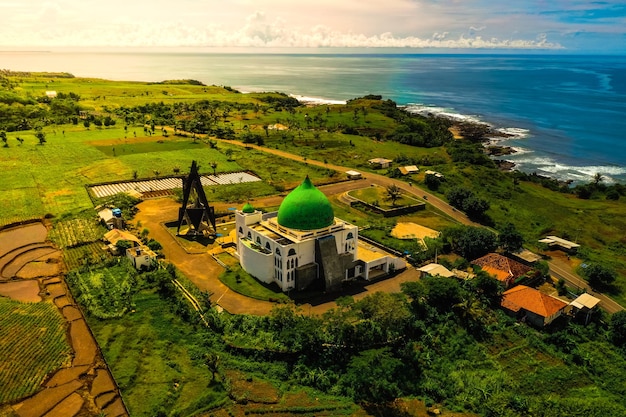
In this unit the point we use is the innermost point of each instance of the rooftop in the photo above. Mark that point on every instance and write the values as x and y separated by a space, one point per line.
501 266
530 299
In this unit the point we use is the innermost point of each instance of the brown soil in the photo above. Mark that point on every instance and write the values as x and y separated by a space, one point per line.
11 269
102 383
49 266
67 392
84 345
25 291
16 237
69 407
46 400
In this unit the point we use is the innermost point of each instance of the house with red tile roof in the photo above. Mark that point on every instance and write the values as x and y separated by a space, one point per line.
531 305
504 269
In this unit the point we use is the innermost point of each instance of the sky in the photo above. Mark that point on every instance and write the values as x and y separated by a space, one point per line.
554 25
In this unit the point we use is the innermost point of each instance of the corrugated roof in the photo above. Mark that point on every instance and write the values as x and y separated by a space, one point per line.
116 235
529 299
585 300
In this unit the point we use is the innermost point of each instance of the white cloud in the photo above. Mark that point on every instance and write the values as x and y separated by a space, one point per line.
285 23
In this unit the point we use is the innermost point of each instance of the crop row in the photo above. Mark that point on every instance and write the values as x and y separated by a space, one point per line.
71 233
88 254
33 343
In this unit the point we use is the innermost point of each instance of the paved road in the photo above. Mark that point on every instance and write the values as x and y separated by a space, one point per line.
203 271
560 270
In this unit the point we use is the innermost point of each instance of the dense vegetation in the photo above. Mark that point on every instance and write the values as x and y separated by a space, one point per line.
438 340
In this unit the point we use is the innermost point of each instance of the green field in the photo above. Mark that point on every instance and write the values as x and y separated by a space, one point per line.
33 343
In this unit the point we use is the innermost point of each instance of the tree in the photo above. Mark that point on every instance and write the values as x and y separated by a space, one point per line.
3 137
372 376
510 238
123 245
214 166
394 193
599 276
617 328
470 242
432 181
40 135
457 195
229 154
86 123
212 361
490 288
597 178
475 207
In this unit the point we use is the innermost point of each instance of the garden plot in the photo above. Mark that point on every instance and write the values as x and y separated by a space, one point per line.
165 184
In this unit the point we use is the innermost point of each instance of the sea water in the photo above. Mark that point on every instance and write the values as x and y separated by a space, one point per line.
566 115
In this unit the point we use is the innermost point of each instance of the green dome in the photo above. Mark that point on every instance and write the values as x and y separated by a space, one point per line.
305 208
247 208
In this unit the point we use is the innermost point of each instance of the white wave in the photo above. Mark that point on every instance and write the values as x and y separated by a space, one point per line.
424 110
316 100
549 167
514 132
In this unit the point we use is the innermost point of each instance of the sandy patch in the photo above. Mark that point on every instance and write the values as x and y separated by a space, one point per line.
26 291
413 231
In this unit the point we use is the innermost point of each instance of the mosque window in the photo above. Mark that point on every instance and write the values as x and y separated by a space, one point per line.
292 252
350 236
267 246
249 235
258 240
277 251
240 230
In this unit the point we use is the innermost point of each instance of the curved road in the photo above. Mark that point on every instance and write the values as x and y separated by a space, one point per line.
557 269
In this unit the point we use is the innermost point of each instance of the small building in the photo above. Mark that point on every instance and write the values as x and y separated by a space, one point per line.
583 305
526 257
436 270
435 173
111 218
116 235
379 163
51 94
505 270
354 175
141 256
532 306
409 169
559 243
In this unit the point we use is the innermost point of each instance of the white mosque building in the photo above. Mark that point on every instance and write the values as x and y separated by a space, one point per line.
303 244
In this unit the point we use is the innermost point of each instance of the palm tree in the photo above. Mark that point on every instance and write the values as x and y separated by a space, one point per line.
214 166
394 193
597 178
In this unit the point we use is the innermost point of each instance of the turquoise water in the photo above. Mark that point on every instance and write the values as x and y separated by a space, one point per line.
567 113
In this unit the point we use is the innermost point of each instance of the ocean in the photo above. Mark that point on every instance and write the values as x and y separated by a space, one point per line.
566 114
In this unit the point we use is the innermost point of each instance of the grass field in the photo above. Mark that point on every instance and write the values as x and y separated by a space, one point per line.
33 343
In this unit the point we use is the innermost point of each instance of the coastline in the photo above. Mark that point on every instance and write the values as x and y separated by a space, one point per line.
507 148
